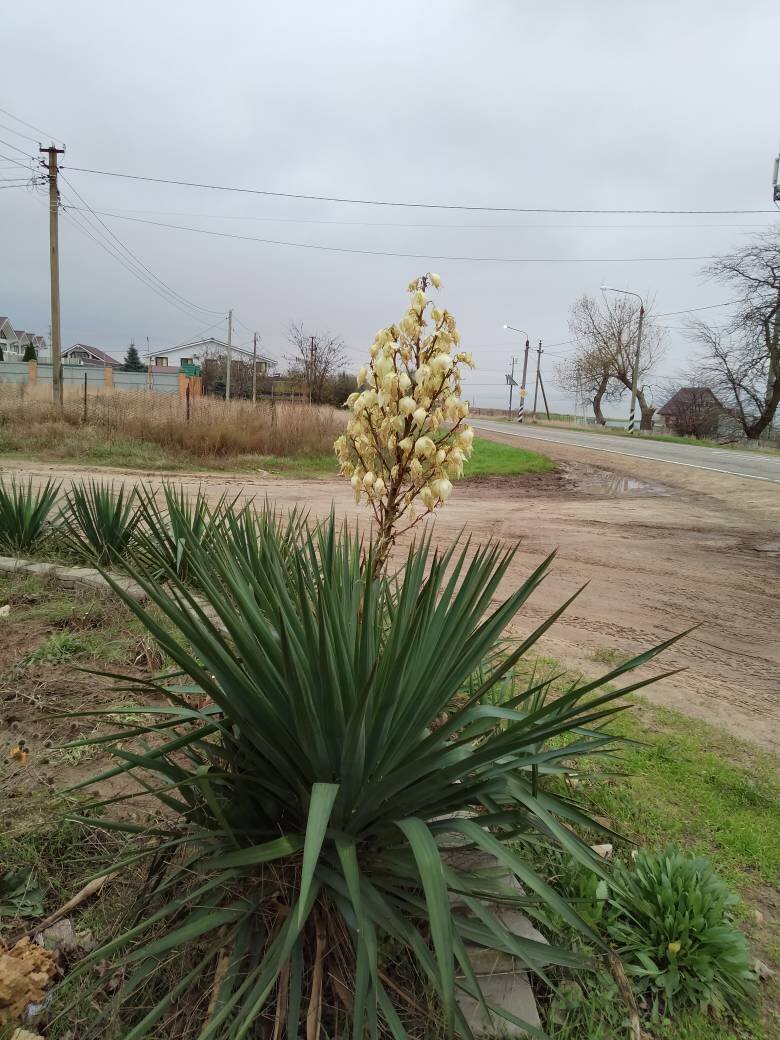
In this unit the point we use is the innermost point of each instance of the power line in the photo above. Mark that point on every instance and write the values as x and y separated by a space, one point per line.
90 231
18 133
133 257
24 166
412 256
403 205
8 144
30 126
432 227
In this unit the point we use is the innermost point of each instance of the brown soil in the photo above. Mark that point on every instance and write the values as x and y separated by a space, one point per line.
660 547
34 696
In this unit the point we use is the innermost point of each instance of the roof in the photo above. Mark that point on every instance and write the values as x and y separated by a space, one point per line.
96 352
690 397
211 344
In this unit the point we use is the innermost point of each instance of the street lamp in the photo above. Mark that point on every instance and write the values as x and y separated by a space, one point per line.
525 369
635 373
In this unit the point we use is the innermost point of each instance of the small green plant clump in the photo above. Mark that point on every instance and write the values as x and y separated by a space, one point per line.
670 916
57 648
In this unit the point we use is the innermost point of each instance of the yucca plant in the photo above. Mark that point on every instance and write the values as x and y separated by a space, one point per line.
306 806
24 511
163 542
98 521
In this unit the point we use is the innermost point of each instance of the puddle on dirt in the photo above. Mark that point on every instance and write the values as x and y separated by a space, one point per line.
602 482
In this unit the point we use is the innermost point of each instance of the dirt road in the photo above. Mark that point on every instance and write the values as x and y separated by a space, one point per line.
662 548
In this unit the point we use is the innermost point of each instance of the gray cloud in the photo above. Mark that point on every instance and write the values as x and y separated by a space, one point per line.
603 104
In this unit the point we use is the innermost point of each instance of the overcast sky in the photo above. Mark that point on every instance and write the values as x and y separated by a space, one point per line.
602 105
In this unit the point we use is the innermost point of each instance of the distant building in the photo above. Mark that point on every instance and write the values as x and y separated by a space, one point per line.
200 350
82 354
14 342
693 411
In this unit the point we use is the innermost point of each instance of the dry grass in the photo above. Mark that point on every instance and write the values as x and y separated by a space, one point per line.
216 430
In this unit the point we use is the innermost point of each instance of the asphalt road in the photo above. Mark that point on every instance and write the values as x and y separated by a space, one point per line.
753 465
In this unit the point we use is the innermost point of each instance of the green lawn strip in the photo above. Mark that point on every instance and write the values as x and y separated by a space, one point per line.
690 782
488 459
492 459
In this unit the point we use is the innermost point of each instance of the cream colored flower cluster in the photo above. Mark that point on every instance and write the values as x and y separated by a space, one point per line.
406 437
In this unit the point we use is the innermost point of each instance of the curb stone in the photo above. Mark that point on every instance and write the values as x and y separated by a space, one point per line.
501 977
72 577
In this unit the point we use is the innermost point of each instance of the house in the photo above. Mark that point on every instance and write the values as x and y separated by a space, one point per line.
200 350
14 342
693 411
82 354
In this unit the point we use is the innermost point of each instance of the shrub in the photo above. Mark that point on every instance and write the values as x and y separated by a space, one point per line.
24 511
165 528
307 802
670 916
98 522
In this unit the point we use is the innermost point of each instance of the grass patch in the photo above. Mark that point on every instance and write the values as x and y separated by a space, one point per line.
690 782
491 459
610 656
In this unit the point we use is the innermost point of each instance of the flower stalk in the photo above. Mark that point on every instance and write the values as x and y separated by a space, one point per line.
407 439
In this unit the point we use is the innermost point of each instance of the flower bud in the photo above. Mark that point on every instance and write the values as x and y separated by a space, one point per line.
428 498
441 488
424 447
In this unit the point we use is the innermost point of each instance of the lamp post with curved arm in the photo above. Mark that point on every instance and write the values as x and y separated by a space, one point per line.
635 373
521 409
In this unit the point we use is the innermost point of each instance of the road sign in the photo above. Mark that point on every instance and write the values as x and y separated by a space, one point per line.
524 392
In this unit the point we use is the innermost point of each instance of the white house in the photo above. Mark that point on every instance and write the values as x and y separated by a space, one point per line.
83 354
200 350
14 342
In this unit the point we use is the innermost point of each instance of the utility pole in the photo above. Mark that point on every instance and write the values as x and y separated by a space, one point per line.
512 384
539 353
523 390
229 358
54 267
254 369
635 373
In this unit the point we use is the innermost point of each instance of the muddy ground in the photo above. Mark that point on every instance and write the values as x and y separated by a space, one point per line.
661 548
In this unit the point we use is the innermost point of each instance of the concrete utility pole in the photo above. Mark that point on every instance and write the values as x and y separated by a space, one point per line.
539 353
523 391
229 358
254 369
635 373
54 267
512 384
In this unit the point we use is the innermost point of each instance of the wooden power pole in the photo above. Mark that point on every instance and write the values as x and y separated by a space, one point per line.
254 369
54 266
229 359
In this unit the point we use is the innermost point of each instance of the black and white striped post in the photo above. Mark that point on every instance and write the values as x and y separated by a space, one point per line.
635 373
523 391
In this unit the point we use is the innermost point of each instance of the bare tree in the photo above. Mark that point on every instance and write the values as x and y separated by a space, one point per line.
741 360
317 359
588 378
605 336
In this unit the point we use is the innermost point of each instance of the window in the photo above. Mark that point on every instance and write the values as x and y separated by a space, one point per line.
161 361
186 361
262 367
